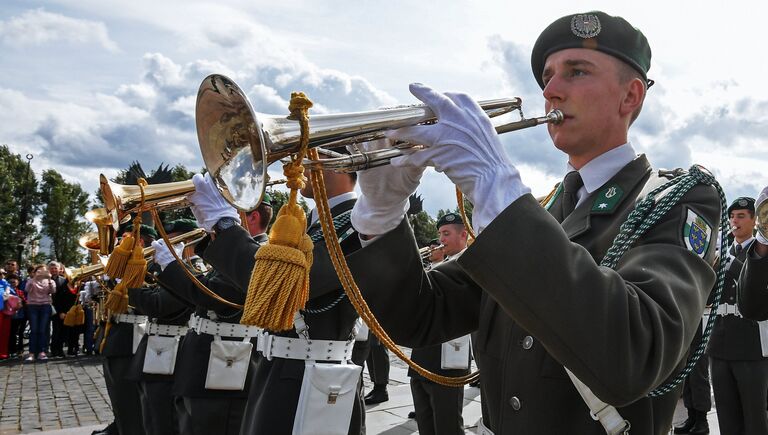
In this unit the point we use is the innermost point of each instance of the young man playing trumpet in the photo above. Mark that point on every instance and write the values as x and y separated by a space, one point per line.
548 302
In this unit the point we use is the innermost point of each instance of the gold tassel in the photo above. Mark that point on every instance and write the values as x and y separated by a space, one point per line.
117 301
136 268
75 316
104 338
115 267
279 284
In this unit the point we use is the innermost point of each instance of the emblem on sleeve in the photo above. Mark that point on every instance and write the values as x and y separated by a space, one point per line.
696 233
585 25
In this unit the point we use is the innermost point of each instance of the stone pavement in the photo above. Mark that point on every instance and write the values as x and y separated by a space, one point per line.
62 393
68 397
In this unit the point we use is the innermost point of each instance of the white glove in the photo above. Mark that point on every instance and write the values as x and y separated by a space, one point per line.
163 255
464 145
760 200
208 205
385 191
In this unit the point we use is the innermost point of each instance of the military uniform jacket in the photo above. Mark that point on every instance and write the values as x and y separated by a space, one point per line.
753 286
63 299
276 384
533 290
165 309
119 340
192 361
733 337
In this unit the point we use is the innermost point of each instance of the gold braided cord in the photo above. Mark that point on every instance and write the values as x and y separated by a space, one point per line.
190 275
279 284
463 212
353 292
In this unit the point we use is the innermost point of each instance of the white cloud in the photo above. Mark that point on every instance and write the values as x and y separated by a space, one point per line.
38 27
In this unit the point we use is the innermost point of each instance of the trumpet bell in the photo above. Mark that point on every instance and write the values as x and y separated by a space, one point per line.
762 218
232 141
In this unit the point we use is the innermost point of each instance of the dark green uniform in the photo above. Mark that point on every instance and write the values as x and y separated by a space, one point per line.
753 286
533 290
157 402
200 410
276 384
739 369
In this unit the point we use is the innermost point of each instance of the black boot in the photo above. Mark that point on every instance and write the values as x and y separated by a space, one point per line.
702 425
377 395
687 424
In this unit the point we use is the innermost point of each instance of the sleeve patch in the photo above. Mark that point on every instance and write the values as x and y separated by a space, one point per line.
697 233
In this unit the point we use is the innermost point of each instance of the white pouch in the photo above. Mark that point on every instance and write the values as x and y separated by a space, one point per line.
763 326
228 364
455 353
139 329
326 400
160 358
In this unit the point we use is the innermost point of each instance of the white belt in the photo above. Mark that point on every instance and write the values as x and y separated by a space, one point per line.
130 318
174 330
207 326
728 310
273 346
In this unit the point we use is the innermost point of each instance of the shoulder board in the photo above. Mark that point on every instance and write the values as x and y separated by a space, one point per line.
672 173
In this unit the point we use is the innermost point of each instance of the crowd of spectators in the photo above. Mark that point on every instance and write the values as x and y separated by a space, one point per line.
33 309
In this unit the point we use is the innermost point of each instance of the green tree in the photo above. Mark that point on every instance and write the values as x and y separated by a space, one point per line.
65 205
423 228
19 205
279 198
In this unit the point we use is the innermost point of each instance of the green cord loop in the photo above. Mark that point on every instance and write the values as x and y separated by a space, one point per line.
646 214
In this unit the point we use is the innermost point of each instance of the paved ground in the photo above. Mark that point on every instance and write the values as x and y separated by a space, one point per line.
68 397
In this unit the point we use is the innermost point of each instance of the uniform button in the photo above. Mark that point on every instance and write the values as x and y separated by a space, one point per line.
527 342
514 402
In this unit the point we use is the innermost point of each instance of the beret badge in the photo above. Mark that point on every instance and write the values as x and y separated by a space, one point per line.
585 25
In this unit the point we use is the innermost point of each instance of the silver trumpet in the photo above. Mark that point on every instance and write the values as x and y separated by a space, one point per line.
238 144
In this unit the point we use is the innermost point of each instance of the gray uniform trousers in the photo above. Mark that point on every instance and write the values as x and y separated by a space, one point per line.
211 416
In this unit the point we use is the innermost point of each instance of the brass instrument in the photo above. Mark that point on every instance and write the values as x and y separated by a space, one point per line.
106 225
120 200
426 251
761 214
80 273
239 144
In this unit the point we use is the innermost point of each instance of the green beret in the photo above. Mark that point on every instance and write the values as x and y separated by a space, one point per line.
742 203
450 218
266 200
434 242
145 230
180 226
597 31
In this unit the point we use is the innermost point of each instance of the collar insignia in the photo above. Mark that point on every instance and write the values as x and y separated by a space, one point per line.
607 199
585 25
696 233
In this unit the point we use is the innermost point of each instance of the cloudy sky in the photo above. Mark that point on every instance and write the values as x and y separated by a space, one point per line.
90 85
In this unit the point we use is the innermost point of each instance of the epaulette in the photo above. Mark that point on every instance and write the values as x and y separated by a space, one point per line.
672 173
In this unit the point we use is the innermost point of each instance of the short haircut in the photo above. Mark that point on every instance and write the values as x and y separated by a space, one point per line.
265 214
626 74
